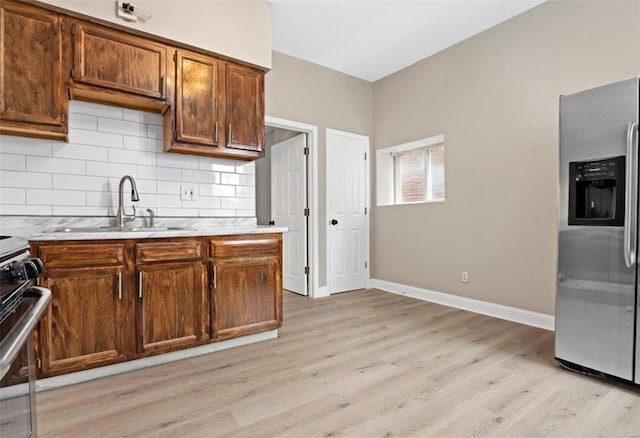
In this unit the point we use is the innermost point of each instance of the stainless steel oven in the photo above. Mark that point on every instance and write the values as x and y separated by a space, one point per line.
22 303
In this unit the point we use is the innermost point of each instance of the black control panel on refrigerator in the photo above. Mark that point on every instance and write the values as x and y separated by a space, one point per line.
596 192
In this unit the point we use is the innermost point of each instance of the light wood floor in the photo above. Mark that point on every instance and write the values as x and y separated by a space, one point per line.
361 364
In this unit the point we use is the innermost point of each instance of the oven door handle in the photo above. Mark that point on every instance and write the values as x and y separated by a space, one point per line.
631 204
19 334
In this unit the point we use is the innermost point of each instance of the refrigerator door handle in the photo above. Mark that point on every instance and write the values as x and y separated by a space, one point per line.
631 203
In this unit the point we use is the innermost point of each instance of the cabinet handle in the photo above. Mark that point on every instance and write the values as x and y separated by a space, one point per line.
215 278
217 136
119 285
140 285
230 139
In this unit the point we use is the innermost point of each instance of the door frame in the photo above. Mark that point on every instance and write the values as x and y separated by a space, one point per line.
367 202
312 193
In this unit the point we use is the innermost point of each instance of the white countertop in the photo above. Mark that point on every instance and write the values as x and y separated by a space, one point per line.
39 228
153 234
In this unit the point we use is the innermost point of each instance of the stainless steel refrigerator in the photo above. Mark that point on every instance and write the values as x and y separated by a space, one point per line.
597 305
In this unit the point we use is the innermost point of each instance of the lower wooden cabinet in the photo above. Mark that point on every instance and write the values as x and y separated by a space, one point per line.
120 300
86 324
170 303
246 285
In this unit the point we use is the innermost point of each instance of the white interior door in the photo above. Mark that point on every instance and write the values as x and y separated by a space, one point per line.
288 202
348 231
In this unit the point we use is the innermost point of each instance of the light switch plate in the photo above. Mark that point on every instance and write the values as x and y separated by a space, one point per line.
187 193
124 14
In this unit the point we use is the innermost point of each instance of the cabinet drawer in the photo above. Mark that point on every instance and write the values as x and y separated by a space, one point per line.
167 251
79 255
245 245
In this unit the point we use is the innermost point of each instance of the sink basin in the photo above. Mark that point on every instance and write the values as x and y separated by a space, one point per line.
112 229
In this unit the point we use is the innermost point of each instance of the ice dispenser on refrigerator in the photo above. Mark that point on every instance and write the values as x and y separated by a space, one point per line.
596 192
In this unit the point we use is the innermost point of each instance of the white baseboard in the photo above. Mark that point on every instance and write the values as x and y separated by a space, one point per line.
321 292
527 317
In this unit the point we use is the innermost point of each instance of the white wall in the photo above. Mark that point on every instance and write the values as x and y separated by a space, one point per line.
80 178
238 29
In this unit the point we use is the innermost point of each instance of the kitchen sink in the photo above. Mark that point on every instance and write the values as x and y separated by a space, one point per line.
112 229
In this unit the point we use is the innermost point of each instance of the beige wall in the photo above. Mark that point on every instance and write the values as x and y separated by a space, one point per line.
238 29
495 98
304 92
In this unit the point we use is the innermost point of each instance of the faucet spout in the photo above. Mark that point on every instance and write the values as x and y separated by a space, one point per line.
152 218
122 217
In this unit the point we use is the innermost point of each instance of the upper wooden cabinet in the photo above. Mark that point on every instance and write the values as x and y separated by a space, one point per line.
196 102
245 108
32 102
47 58
127 65
218 108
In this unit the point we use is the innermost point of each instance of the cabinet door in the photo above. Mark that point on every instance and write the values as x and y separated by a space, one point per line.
31 88
197 90
245 108
247 295
110 59
170 301
85 324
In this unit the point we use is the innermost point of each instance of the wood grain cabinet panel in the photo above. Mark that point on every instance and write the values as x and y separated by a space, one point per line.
168 251
246 288
211 106
120 300
80 254
119 61
85 324
197 91
32 102
219 108
245 108
249 245
170 303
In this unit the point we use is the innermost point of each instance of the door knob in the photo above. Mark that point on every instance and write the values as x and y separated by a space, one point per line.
272 223
334 222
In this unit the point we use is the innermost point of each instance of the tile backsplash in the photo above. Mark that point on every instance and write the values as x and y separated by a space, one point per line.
80 178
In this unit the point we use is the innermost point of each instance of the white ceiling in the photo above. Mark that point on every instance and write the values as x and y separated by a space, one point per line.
371 39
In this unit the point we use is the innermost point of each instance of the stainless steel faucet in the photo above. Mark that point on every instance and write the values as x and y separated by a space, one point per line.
122 217
152 218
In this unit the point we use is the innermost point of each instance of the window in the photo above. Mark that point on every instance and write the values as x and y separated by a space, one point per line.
411 172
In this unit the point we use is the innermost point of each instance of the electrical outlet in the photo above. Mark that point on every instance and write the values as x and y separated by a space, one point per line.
187 193
464 277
